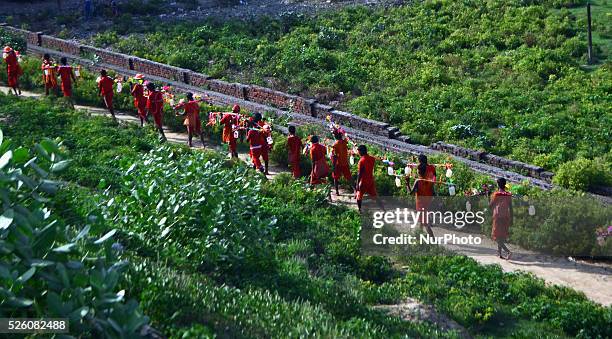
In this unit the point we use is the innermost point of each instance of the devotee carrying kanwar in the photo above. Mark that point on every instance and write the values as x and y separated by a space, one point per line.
13 69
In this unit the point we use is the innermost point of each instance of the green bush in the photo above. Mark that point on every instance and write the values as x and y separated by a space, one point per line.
582 174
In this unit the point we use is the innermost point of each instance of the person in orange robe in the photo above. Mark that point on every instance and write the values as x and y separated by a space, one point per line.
501 205
49 68
13 70
105 85
67 76
320 168
256 143
365 177
192 118
340 162
294 147
230 122
155 107
266 133
424 191
140 101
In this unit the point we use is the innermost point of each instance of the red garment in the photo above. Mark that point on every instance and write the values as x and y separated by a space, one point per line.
340 160
366 183
256 142
13 70
265 150
228 120
501 204
140 101
424 196
155 106
430 172
317 154
108 100
294 147
65 73
49 76
192 116
105 84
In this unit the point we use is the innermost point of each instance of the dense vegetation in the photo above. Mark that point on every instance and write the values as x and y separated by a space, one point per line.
503 76
212 247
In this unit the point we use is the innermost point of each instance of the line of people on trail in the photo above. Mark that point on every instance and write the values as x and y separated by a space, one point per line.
149 101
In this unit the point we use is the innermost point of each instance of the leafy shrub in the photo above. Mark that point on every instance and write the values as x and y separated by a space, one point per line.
582 174
50 268
191 195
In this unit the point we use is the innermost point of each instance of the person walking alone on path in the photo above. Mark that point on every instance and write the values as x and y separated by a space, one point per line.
501 205
424 191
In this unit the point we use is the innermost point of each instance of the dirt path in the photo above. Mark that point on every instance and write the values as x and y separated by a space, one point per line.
594 280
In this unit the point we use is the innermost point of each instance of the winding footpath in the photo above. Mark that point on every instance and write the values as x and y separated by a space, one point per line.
594 280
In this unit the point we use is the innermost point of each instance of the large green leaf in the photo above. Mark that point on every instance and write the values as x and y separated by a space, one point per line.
60 166
26 275
6 219
65 248
105 237
5 159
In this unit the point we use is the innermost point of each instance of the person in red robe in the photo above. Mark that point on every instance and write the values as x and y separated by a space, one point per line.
340 162
140 101
501 205
230 123
256 143
430 169
13 70
105 86
294 148
320 168
192 118
49 68
155 107
365 177
266 134
424 191
67 76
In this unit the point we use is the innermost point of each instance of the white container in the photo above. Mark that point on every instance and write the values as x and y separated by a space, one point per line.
468 206
352 160
270 141
236 135
77 72
390 170
449 173
46 72
531 210
398 182
119 87
451 190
